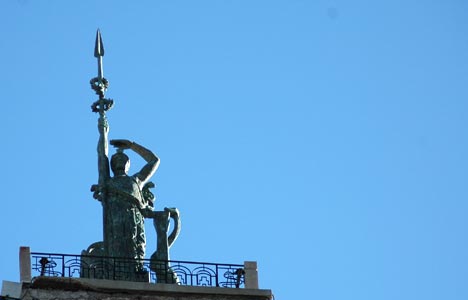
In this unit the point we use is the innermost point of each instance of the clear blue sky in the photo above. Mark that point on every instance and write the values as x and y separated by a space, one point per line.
325 139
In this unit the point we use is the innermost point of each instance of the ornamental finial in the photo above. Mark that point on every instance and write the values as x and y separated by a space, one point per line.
100 84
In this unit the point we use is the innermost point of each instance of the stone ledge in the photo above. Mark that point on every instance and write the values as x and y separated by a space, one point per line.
141 288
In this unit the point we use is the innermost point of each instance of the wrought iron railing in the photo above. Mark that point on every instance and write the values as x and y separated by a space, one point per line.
154 271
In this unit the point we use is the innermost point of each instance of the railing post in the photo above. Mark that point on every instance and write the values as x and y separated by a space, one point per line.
63 265
25 264
217 276
251 275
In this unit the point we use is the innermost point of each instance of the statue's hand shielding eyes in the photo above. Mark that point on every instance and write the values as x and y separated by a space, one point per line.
121 144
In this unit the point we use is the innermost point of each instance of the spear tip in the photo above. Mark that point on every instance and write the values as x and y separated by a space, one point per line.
99 47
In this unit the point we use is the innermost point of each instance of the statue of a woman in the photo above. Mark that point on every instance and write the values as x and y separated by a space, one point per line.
124 206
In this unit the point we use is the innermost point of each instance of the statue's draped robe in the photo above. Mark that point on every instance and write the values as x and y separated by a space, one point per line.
125 234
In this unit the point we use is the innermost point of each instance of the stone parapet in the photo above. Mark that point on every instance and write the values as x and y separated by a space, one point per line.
59 288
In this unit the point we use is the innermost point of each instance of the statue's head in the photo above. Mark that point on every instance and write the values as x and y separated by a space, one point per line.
120 162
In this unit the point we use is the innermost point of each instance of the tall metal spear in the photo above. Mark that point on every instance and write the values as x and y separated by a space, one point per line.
99 84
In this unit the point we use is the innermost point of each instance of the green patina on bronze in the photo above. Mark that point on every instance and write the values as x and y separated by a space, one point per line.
127 199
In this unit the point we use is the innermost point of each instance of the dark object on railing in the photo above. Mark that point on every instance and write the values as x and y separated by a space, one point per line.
240 273
44 261
113 268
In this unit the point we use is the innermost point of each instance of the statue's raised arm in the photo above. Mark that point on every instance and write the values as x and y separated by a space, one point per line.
103 159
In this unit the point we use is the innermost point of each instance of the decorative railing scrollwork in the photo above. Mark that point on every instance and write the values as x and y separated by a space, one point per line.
114 268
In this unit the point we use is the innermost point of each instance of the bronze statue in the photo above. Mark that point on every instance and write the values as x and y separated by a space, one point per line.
126 202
